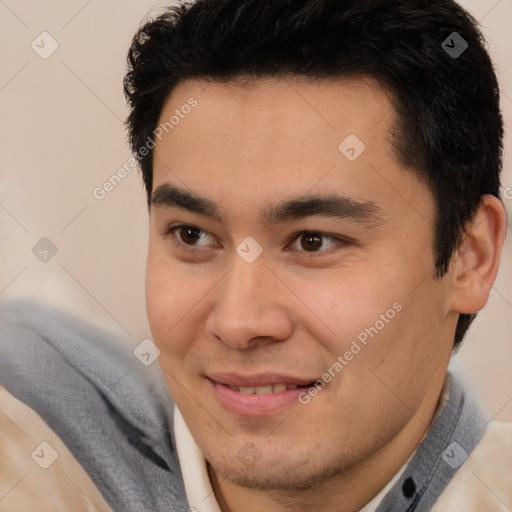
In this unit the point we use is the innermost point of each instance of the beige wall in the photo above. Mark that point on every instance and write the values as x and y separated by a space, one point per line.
62 136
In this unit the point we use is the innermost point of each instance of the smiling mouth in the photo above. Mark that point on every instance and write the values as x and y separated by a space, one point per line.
261 395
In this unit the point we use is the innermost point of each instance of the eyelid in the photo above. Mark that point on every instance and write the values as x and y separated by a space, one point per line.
170 230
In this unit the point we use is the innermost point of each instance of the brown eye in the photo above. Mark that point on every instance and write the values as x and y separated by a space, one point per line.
311 241
316 243
189 235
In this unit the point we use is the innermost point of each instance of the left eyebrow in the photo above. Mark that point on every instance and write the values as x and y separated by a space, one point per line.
335 206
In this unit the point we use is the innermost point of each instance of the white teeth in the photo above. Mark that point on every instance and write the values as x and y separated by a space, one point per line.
263 390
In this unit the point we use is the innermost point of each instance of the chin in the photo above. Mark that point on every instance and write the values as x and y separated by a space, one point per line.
277 473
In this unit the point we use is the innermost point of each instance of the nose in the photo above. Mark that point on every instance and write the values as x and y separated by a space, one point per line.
251 306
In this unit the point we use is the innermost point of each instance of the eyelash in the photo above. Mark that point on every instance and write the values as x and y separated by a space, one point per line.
170 231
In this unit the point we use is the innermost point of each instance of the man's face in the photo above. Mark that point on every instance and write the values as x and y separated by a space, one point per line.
353 297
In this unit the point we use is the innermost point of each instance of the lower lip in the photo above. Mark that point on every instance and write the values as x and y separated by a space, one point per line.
255 405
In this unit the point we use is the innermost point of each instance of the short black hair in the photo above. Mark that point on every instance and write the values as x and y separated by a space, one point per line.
449 129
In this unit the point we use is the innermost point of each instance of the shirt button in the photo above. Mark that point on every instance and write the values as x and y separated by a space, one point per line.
409 487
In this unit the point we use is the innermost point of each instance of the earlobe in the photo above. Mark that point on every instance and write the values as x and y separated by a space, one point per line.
476 262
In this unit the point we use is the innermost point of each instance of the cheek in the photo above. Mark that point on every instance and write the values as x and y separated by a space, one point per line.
175 299
350 301
375 312
164 309
164 297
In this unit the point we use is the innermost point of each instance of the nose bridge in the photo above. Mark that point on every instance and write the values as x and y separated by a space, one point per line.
247 307
245 290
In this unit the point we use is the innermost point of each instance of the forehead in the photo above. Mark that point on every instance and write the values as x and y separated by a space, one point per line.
265 139
285 107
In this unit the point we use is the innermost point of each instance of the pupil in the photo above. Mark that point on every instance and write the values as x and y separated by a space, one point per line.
312 240
188 235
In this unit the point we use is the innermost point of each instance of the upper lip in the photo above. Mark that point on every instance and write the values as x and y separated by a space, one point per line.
260 379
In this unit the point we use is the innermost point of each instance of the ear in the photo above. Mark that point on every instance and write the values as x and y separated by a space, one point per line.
476 262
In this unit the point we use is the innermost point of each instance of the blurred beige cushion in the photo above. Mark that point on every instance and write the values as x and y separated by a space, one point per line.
484 482
25 484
